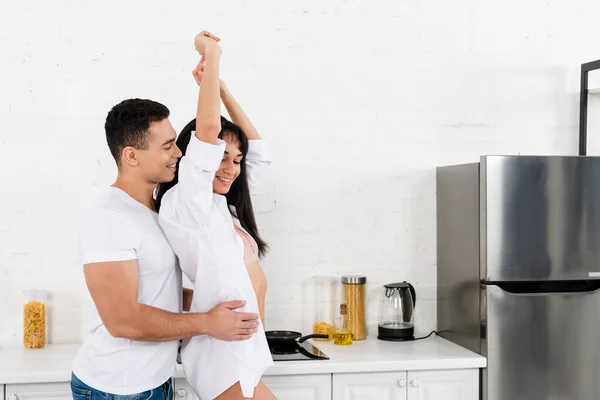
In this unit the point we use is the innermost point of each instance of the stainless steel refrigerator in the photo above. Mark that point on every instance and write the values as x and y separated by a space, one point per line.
518 261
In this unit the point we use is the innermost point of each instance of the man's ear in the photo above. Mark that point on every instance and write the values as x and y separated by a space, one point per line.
130 156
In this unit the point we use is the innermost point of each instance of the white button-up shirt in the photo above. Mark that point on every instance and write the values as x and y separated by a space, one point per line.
200 229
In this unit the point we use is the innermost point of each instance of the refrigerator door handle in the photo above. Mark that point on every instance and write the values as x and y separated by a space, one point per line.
547 287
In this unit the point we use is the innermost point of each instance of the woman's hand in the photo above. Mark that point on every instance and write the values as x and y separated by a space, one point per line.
205 42
198 73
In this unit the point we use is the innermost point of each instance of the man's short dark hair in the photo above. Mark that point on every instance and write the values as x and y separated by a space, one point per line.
127 124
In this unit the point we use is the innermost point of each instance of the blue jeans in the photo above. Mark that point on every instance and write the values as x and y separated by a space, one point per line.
81 391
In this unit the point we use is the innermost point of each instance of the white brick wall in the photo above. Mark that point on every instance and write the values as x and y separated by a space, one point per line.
359 99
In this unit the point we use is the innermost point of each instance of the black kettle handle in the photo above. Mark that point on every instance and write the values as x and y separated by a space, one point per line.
412 293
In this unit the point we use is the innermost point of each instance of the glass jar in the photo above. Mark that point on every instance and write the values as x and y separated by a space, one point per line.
34 318
324 291
354 298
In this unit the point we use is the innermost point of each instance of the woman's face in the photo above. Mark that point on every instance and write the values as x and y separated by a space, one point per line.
230 166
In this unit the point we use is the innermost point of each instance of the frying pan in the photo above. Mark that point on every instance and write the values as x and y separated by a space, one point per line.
289 338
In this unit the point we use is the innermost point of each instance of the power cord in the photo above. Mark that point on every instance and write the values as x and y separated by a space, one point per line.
425 337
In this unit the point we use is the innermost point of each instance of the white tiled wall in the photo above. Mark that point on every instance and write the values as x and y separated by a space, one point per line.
359 99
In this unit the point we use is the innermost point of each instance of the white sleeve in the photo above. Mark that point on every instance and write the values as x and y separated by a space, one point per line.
188 203
106 237
257 159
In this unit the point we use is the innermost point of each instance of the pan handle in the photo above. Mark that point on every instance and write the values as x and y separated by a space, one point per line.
315 335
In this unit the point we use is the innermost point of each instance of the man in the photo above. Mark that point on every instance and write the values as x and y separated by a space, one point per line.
133 275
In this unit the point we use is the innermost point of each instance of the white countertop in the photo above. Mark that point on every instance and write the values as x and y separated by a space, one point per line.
53 363
373 355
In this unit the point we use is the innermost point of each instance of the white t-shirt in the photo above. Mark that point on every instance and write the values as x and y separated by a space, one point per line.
119 228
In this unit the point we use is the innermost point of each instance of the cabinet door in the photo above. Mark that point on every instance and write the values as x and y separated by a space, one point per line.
370 386
459 384
182 390
1 392
39 391
300 387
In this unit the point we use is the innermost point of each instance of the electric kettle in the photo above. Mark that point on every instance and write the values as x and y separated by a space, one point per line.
396 310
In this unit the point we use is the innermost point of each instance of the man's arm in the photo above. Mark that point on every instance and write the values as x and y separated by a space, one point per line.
114 289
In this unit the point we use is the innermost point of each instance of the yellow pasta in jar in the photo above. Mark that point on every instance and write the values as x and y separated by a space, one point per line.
323 328
34 325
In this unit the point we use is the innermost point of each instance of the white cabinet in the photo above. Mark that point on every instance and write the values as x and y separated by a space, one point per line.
444 385
182 390
369 386
414 385
39 391
300 387
286 387
460 384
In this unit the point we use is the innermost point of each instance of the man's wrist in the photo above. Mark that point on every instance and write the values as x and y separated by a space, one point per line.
202 322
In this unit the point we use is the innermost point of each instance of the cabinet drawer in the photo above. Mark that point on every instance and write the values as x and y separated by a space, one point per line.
39 391
285 387
300 387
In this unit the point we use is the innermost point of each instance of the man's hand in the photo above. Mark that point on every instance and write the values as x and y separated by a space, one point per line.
226 324
205 42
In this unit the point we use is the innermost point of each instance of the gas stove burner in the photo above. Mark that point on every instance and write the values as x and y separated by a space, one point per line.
302 351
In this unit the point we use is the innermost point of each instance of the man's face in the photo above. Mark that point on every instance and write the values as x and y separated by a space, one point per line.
157 163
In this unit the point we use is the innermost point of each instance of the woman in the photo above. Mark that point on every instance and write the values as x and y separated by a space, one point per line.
206 213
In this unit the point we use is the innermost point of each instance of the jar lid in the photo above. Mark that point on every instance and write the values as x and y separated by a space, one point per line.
354 279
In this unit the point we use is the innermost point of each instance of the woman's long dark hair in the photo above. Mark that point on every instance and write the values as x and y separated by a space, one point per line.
239 193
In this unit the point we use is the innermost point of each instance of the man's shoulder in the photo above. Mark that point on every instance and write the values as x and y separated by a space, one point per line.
107 205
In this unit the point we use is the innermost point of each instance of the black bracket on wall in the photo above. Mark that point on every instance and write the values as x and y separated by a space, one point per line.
583 101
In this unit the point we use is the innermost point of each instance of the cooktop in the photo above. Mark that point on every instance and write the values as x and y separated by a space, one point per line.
301 351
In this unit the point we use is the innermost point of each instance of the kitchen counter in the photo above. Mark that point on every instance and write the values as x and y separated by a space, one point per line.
373 355
53 363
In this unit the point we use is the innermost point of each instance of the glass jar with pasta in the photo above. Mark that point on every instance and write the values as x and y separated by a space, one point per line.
34 318
354 298
324 287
